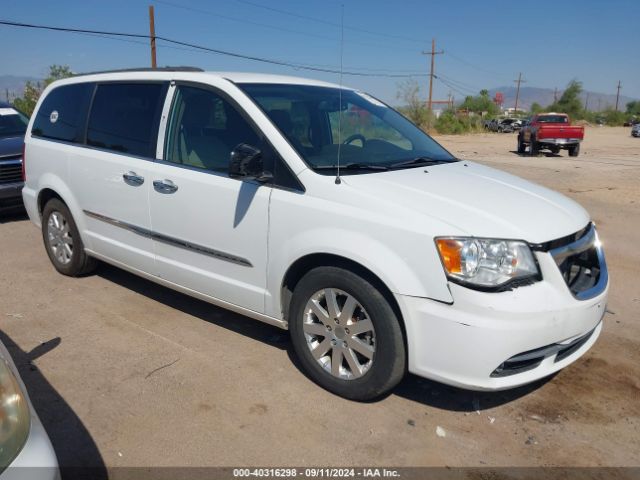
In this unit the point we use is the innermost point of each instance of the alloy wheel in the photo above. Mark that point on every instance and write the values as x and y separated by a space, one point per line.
339 333
59 238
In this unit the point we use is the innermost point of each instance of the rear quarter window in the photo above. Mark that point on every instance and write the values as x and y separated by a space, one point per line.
125 117
63 113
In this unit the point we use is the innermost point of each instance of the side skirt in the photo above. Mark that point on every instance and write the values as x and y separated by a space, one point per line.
192 293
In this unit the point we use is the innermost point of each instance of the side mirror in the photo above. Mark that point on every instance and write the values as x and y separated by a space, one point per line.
246 163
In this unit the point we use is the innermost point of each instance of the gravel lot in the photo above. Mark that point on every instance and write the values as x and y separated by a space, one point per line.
127 373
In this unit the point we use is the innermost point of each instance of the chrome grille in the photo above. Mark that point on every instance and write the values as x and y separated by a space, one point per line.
10 171
582 265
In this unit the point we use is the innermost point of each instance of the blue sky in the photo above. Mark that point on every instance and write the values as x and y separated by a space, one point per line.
486 44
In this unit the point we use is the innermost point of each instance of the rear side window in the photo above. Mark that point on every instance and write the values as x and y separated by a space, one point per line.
125 117
63 113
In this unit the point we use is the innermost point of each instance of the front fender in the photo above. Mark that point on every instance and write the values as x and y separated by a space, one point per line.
392 266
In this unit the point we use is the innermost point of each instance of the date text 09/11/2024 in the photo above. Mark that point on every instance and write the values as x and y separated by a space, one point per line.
316 472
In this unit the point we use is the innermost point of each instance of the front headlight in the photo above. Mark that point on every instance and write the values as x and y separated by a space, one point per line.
487 263
14 416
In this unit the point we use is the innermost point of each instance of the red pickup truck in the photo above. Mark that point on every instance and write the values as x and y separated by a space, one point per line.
550 131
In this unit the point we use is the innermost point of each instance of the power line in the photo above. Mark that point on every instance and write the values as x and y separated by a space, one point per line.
469 64
444 82
265 25
326 22
194 46
463 86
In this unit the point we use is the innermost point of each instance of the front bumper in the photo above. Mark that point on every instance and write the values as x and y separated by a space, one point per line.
468 343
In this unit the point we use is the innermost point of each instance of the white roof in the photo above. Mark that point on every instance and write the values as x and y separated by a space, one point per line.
236 77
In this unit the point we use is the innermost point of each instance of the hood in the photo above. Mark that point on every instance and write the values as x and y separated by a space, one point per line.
476 200
10 146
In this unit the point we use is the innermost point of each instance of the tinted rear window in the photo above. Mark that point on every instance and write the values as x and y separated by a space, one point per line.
12 124
553 119
63 113
125 117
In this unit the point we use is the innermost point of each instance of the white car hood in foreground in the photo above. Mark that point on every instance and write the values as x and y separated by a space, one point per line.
478 200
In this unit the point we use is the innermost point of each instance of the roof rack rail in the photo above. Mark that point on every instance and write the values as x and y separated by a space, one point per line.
145 69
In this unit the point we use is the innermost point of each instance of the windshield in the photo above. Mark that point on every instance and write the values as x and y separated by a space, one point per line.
553 119
368 134
12 124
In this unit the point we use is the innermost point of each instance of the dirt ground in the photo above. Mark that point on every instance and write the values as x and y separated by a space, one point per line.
127 373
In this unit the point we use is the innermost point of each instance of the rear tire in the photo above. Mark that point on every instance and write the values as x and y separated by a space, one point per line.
62 241
346 334
534 148
574 150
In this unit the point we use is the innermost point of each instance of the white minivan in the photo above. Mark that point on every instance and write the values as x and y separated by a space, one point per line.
321 210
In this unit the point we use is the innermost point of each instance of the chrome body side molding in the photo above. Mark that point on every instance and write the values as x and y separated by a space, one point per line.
176 242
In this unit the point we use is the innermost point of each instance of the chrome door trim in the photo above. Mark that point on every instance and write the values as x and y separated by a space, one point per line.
176 242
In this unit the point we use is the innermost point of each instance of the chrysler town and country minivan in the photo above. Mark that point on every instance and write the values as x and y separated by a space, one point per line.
321 210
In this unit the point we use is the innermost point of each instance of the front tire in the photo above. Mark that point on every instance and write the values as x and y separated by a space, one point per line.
346 334
62 241
521 148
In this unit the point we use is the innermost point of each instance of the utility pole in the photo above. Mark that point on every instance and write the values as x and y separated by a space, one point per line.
618 94
599 103
6 93
586 102
555 95
152 36
433 54
518 81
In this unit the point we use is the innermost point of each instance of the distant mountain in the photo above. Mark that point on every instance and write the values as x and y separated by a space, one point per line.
544 96
12 86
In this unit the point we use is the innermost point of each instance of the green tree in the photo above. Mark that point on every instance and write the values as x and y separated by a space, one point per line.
413 106
481 104
613 118
569 102
536 108
33 90
633 108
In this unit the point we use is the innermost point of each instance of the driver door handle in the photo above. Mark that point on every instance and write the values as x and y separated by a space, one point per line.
165 186
132 178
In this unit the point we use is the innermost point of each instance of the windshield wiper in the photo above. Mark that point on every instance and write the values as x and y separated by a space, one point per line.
419 162
352 166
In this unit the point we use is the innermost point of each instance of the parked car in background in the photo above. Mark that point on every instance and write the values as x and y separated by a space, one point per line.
635 130
378 250
551 131
508 125
25 449
13 125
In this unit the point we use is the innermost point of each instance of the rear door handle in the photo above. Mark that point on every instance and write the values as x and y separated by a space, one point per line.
133 179
165 186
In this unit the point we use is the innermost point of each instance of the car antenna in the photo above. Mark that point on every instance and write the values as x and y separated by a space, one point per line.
338 181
